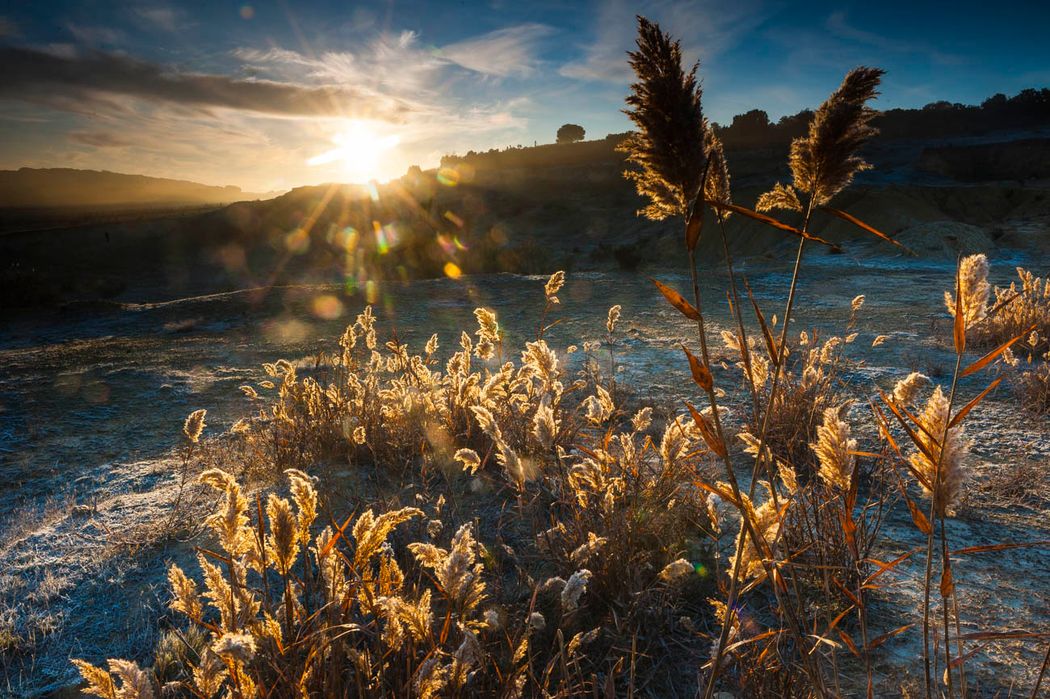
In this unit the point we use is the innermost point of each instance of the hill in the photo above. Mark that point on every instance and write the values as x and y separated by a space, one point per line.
535 210
67 188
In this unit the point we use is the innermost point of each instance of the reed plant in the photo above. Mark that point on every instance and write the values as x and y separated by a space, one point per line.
533 531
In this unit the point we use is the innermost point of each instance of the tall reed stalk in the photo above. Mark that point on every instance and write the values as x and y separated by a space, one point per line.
673 168
823 163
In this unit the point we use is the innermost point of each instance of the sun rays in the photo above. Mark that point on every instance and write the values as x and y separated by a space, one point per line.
360 150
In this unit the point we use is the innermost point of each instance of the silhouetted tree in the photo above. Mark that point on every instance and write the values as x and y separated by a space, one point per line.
996 101
570 133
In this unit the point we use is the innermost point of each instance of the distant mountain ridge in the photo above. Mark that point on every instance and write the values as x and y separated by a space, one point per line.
69 188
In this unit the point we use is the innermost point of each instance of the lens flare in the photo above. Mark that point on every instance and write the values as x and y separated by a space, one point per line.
327 307
448 176
298 241
455 220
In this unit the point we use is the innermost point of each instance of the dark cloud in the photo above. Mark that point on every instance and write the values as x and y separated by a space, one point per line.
32 73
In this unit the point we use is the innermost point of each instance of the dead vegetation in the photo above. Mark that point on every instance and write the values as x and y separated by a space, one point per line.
552 539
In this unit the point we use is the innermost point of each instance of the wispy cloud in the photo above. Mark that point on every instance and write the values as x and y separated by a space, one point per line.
705 27
840 27
396 65
393 64
272 108
157 17
31 72
95 36
505 52
101 139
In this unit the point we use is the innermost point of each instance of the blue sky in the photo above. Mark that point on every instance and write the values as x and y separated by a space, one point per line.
250 93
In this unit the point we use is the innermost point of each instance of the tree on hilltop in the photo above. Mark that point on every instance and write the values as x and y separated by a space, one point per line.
570 133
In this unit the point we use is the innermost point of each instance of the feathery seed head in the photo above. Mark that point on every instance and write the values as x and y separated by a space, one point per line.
766 521
305 496
184 591
973 287
642 419
432 345
946 490
100 682
488 326
194 425
239 647
676 570
282 544
614 316
907 389
553 286
370 532
780 197
230 519
585 551
832 449
717 186
574 588
824 161
545 426
582 639
209 674
668 147
469 459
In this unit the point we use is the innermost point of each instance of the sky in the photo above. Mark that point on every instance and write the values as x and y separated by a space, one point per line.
270 95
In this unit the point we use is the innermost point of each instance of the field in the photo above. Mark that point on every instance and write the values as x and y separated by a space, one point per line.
89 523
790 439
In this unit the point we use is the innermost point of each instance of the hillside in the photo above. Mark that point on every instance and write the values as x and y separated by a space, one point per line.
529 210
69 188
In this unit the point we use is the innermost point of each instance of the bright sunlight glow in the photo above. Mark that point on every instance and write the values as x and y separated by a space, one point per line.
359 149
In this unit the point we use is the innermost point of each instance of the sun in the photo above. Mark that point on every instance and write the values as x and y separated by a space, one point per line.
360 150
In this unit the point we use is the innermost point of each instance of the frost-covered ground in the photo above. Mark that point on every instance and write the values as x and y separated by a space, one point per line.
92 403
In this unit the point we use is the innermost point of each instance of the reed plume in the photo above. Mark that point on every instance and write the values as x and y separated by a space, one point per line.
833 447
194 425
717 187
907 389
665 106
765 520
553 286
934 420
973 288
824 161
613 318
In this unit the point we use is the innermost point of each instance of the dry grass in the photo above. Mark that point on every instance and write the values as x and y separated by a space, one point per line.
1017 314
1033 388
1020 481
555 541
547 549
535 534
